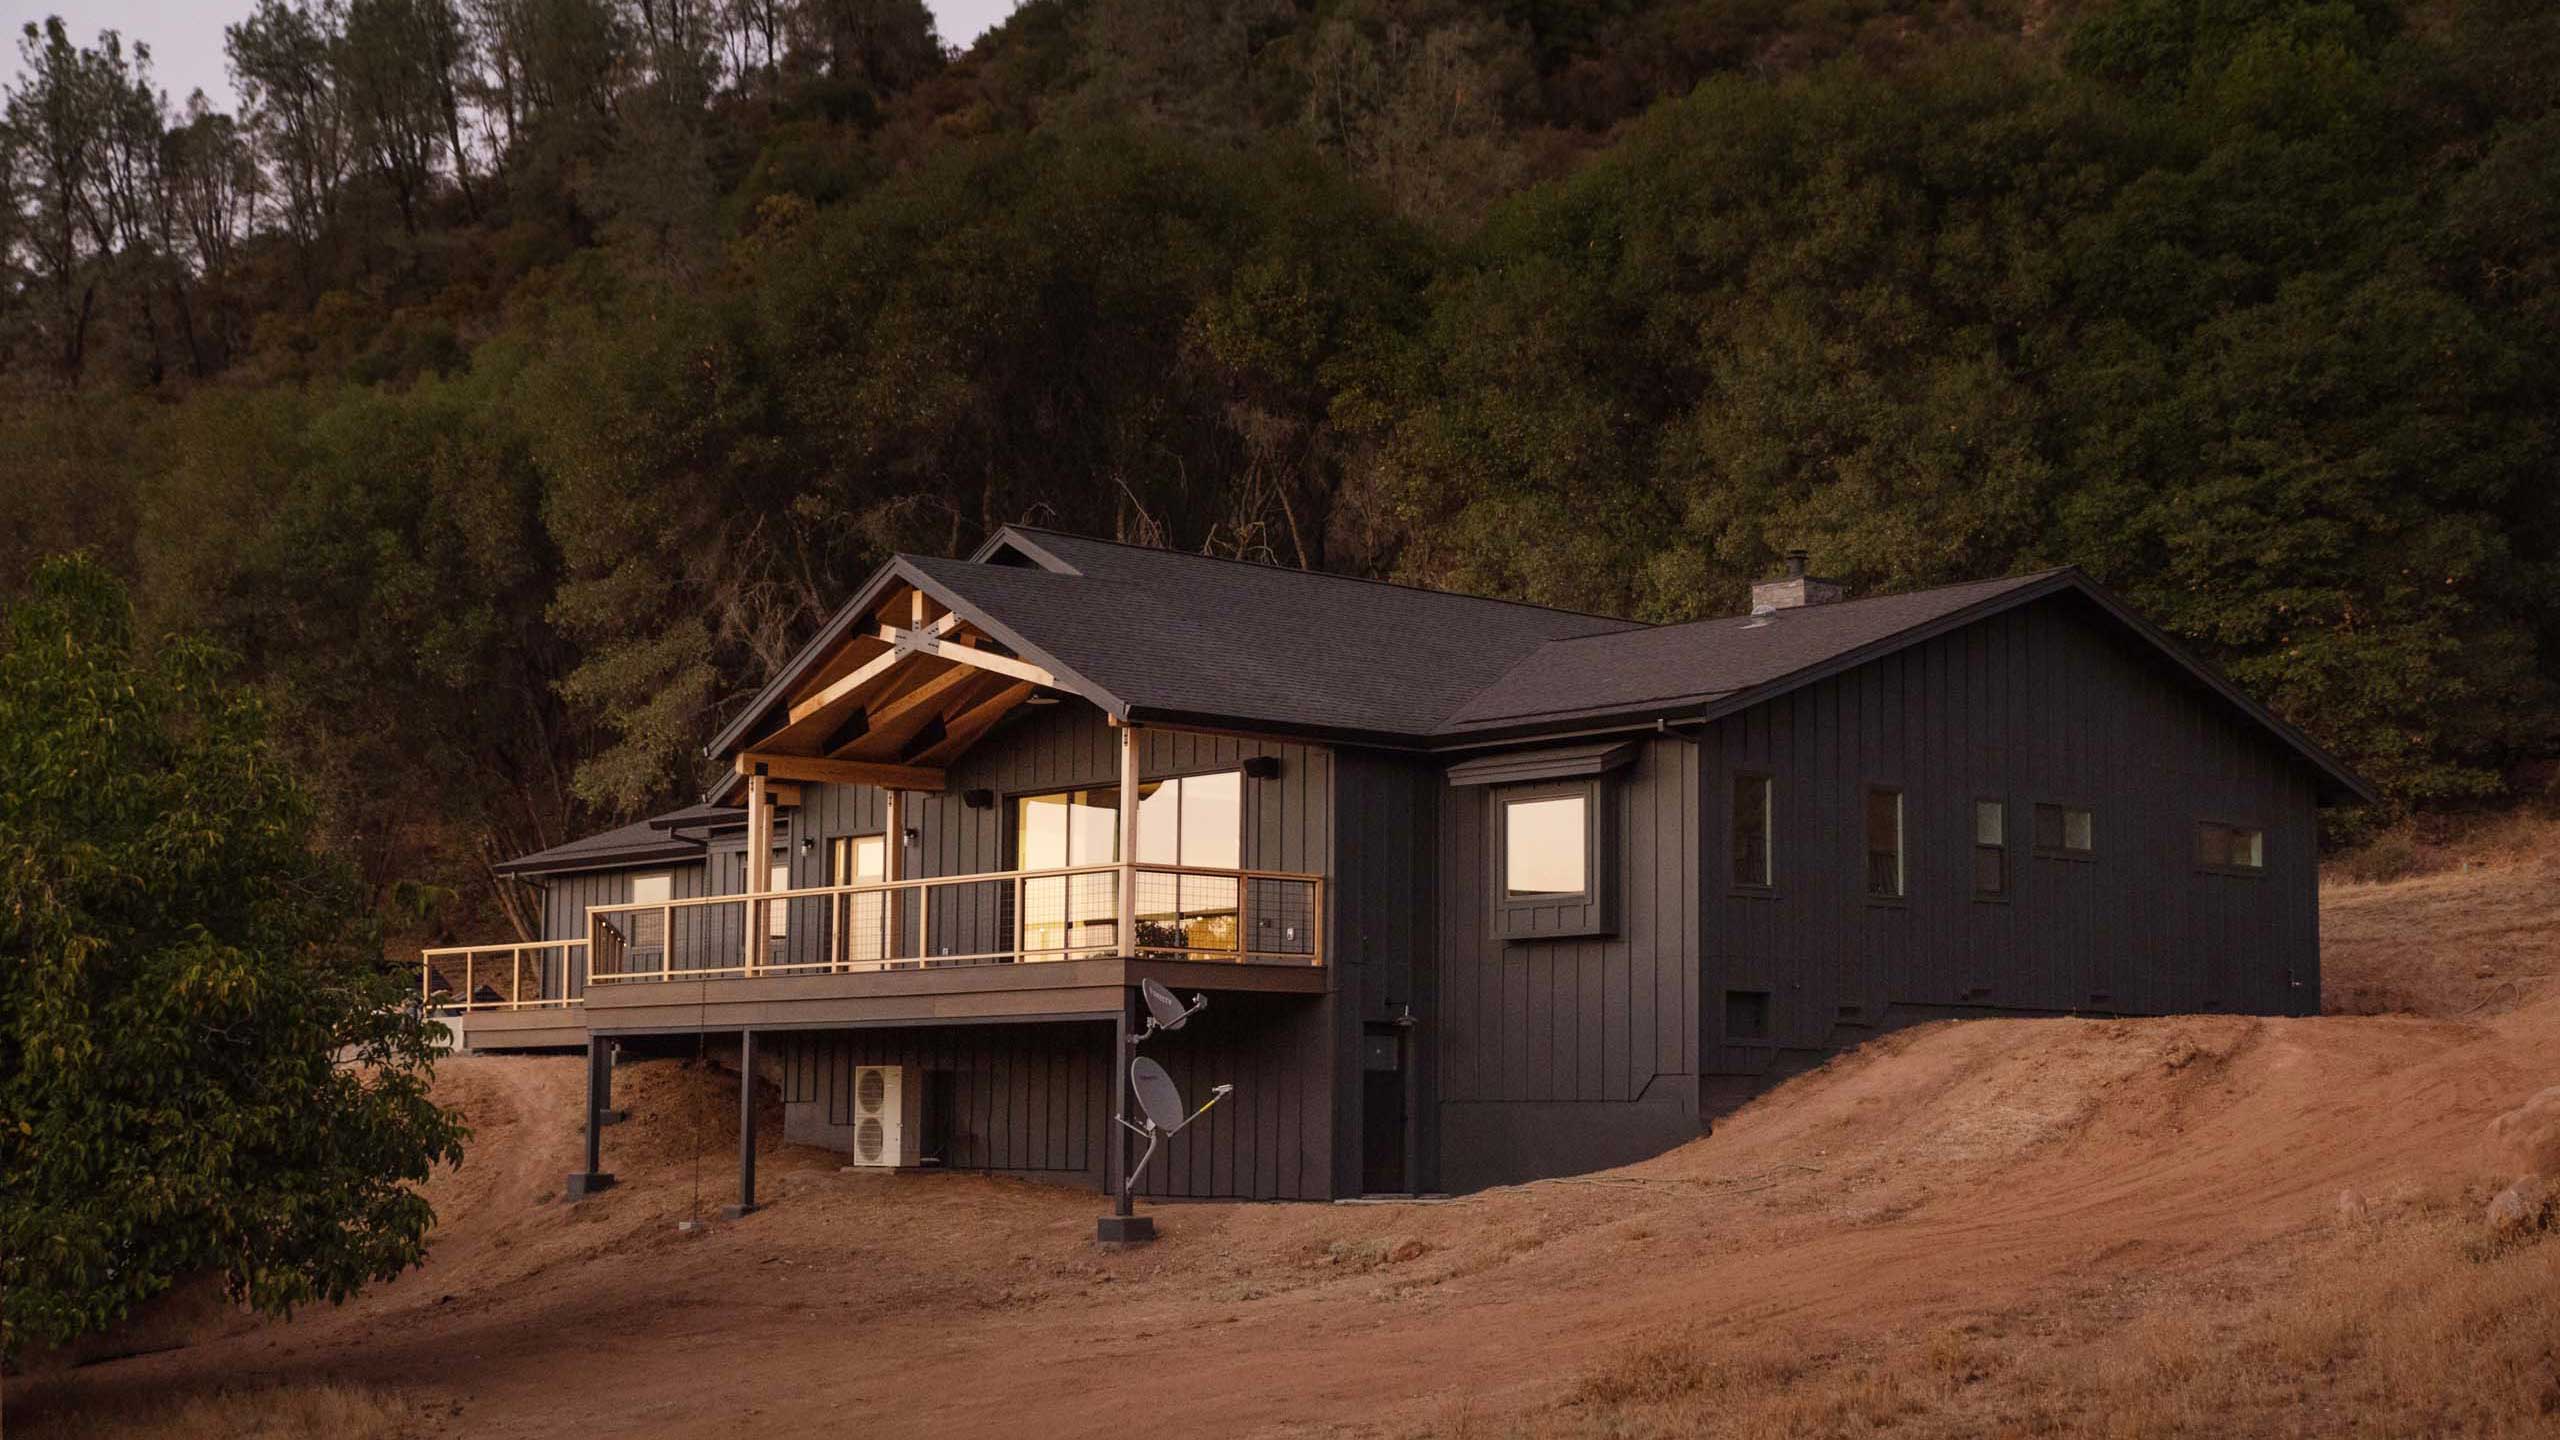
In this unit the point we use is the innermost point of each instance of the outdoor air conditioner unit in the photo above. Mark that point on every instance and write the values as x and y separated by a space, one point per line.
888 1121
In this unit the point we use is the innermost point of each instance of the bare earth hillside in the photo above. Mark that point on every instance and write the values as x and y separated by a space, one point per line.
2196 1226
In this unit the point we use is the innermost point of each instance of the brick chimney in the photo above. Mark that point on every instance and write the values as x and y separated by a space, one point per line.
1793 589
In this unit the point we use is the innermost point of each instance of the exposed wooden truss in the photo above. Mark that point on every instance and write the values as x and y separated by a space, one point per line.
904 694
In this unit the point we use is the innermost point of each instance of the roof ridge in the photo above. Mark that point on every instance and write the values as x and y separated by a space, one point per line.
2022 577
1330 575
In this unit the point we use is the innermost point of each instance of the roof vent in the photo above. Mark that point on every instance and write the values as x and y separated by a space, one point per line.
1793 590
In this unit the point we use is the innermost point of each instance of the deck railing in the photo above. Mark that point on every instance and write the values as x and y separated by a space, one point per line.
527 975
991 918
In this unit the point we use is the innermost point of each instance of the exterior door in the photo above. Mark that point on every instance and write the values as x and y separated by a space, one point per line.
1382 1112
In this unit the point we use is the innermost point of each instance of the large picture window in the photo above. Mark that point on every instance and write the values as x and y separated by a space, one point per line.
1068 914
1545 847
1194 821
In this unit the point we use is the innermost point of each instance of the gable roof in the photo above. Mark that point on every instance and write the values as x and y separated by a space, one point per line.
1707 660
1173 638
676 835
1172 635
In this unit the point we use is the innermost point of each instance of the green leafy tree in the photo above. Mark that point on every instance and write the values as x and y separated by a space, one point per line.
200 1068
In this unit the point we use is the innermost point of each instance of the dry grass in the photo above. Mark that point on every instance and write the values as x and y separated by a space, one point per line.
2436 844
2468 934
287 1412
2411 1325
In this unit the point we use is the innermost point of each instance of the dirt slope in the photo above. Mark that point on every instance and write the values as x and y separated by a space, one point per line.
1987 1227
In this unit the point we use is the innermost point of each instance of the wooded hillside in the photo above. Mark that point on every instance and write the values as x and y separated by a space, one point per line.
515 381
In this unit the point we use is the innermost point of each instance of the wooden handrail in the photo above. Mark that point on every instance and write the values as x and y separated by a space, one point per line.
514 951
605 937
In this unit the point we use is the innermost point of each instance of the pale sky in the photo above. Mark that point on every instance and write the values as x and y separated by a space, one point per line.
186 35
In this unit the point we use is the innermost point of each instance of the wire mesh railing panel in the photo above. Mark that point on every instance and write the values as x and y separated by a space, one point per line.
988 918
1281 919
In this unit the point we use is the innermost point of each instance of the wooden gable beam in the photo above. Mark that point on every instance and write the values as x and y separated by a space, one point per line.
810 769
919 642
903 716
845 688
962 730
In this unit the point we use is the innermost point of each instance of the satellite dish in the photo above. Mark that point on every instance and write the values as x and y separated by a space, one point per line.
1163 1011
1168 1012
1160 1100
1158 1097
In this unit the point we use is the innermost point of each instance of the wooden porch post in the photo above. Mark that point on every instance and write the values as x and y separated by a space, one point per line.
759 868
746 1129
1127 919
893 846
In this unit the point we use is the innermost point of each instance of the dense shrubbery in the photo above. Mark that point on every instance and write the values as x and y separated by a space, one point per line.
507 480
201 1070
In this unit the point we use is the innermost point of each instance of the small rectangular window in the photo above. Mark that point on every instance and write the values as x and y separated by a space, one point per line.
2065 830
1990 848
1544 846
1751 825
1884 842
1746 1014
2230 847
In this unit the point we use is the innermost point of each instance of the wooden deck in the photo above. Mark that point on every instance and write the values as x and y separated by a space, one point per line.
1086 989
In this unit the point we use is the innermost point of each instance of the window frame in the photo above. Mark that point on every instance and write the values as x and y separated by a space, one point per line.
2006 849
1901 892
1768 1036
1766 887
2243 872
1073 945
2064 851
1555 915
1541 795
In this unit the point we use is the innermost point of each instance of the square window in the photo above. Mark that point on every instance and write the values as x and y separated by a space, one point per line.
2066 830
1751 825
1746 1014
1543 846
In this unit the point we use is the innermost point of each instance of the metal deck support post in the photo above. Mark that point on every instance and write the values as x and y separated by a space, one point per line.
599 1113
746 1129
1123 1225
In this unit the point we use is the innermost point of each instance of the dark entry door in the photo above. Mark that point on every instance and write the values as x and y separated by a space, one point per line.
1382 1109
941 1102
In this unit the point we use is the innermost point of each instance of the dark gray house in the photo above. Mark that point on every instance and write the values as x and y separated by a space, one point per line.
1479 891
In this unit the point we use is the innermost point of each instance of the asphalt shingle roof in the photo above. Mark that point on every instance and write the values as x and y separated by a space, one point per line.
660 837
1172 633
1706 659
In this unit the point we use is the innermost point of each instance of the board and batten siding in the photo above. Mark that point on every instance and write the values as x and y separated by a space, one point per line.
1277 1136
1572 1053
2047 703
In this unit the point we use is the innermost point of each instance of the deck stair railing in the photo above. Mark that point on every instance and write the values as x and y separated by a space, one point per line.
525 975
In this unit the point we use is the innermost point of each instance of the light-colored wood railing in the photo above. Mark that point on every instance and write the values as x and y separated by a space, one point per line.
526 975
990 918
